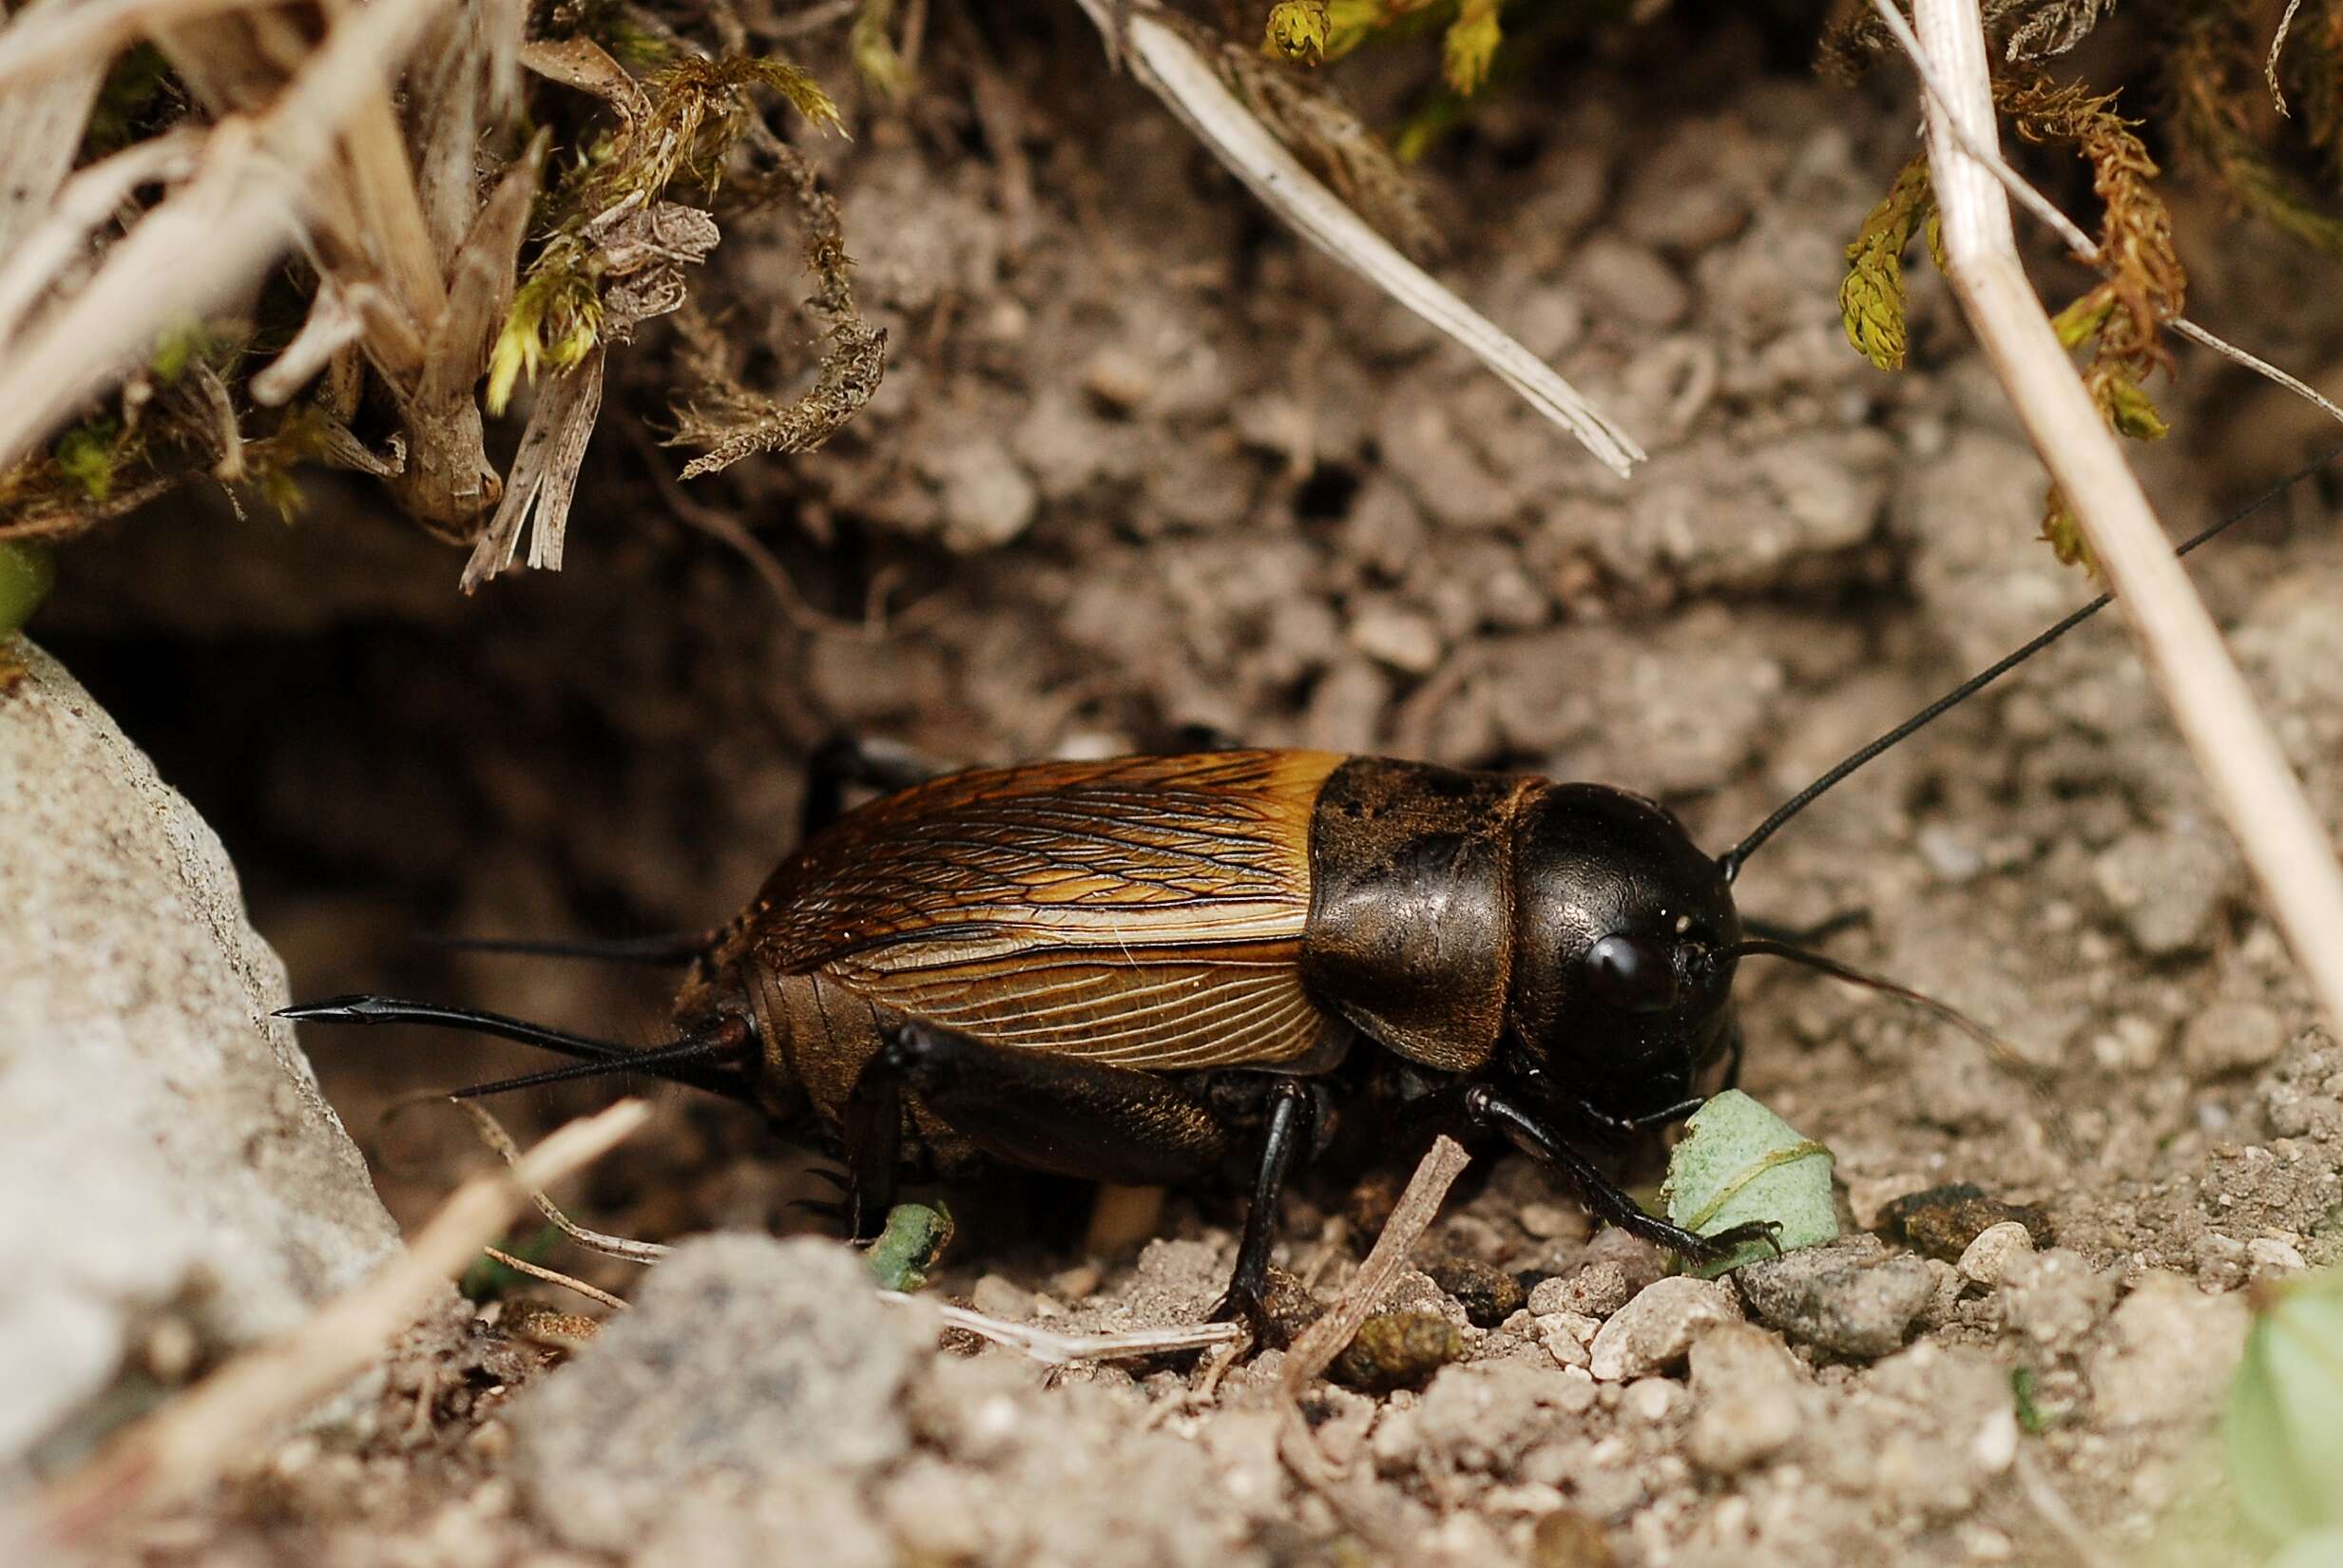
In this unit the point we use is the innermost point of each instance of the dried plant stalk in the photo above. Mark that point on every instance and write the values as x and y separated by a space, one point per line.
210 242
2215 710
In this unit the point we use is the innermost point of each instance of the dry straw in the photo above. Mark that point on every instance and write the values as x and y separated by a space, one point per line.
2282 838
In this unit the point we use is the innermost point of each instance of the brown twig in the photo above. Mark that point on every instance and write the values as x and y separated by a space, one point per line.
1325 1339
554 1276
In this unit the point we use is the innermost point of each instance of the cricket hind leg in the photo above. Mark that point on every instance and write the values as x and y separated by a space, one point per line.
1027 1108
1067 1117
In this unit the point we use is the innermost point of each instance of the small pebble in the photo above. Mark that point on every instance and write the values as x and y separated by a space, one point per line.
1568 1538
987 499
1488 1296
1950 852
2231 1036
1402 638
1652 1333
2271 1255
1567 1336
2054 1297
1550 1221
1652 1399
1624 280
1598 1289
1741 1428
2167 887
1395 1350
1988 1258
997 1297
1850 1298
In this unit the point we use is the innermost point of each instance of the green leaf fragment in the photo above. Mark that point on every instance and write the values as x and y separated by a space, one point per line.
1739 1162
2283 1425
1471 46
914 1237
1871 298
27 573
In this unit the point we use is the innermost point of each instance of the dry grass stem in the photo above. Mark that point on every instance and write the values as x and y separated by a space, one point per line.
2260 367
219 1424
1168 65
492 1133
40 260
1056 1350
1322 1341
2277 47
2215 710
554 1276
1418 1206
59 37
208 243
41 128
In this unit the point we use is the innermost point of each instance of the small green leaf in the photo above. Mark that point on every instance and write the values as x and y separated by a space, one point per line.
2128 410
2284 1426
1470 46
2030 1415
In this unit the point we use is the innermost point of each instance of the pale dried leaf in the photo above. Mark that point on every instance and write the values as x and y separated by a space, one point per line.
583 63
88 199
480 282
544 474
41 125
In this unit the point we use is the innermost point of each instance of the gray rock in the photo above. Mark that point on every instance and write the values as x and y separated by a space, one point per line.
174 1179
1996 1250
1752 1395
1652 1333
1852 1298
2169 885
2231 1036
743 1360
2055 1298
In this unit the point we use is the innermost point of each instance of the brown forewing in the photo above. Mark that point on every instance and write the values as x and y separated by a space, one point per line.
1145 912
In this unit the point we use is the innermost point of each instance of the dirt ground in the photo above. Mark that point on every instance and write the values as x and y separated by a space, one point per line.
1140 461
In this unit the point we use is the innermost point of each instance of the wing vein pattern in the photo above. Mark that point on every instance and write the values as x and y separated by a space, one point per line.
1145 912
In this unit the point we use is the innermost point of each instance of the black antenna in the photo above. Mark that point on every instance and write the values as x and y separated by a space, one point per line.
667 1062
671 948
704 1072
1731 861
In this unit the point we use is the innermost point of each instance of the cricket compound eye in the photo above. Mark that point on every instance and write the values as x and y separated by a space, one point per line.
1634 973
